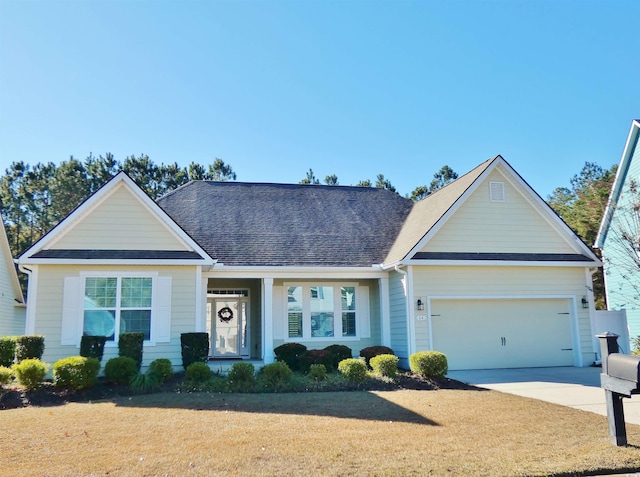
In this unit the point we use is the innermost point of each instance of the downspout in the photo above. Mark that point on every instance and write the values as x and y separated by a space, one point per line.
409 308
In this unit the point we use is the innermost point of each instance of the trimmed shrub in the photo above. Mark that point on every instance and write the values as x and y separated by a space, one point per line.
30 373
7 350
385 365
198 372
371 351
275 375
316 356
120 370
29 347
161 369
318 372
355 370
92 346
290 353
143 383
6 375
195 348
431 364
130 345
338 353
241 377
76 372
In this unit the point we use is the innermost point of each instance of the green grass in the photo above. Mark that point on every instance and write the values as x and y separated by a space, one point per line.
384 433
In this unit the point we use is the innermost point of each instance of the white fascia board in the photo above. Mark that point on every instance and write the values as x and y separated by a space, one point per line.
220 270
548 214
58 261
454 207
618 183
501 263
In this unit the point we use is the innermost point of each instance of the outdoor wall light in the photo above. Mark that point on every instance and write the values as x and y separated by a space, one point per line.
420 305
585 302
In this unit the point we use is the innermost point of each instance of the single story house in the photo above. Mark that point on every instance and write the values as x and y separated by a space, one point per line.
12 306
618 236
482 270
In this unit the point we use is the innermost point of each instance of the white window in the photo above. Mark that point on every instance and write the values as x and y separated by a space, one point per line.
114 305
496 191
321 311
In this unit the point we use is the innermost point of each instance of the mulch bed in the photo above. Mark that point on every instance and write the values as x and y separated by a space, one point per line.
14 397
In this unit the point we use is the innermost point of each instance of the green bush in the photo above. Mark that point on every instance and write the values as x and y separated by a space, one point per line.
198 372
241 377
6 375
7 350
431 364
92 346
338 353
636 346
315 356
385 365
275 375
353 369
120 370
371 351
195 348
30 373
144 382
130 345
29 347
290 353
76 372
318 372
162 370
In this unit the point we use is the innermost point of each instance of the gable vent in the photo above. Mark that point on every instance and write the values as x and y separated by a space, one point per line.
496 191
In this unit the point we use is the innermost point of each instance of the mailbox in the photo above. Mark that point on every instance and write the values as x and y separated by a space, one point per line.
620 378
624 367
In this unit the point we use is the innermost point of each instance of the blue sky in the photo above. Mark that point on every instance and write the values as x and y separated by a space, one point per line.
352 88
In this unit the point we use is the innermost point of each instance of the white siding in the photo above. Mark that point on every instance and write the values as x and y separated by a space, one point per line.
482 225
398 312
497 282
120 222
49 310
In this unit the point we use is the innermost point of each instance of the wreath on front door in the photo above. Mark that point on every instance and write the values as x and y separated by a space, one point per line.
225 314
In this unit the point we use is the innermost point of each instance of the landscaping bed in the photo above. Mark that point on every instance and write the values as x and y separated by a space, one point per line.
13 397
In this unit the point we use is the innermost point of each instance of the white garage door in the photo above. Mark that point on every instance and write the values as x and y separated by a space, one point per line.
485 334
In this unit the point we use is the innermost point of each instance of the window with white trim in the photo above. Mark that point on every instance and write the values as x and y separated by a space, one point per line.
317 311
117 304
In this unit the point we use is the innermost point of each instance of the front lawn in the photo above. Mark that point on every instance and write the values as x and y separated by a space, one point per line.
403 432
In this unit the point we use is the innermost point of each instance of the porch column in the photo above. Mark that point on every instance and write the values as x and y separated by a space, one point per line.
385 313
267 320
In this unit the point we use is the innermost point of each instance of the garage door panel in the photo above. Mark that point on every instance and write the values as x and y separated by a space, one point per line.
477 334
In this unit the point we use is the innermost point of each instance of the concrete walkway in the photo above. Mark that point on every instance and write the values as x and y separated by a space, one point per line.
578 388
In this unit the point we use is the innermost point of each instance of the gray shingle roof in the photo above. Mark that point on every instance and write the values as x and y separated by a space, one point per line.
515 257
288 225
76 254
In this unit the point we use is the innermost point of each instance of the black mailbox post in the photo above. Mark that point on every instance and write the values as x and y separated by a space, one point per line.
620 378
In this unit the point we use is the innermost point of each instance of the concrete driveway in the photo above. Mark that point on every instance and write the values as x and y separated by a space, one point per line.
578 388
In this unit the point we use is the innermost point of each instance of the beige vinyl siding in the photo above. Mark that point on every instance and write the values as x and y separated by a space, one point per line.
481 225
280 317
398 316
505 282
120 222
12 317
49 310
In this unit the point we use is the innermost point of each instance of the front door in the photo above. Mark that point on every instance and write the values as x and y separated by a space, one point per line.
228 325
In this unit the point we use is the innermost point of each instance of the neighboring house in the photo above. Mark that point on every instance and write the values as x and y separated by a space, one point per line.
482 270
622 277
12 307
